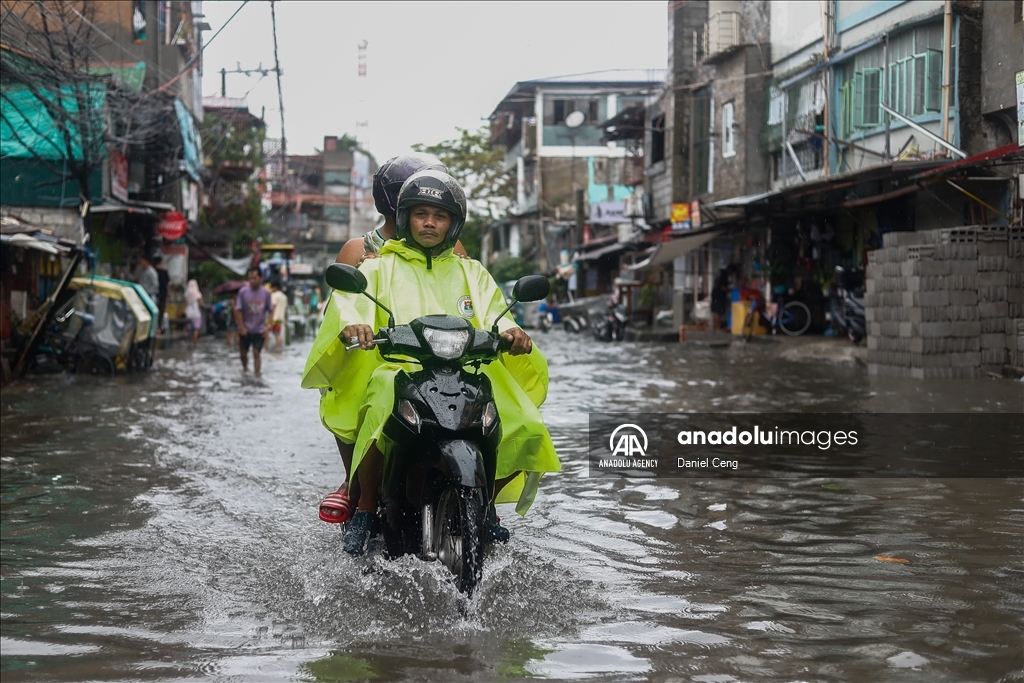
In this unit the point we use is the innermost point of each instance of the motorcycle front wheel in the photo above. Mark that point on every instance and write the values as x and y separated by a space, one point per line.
457 536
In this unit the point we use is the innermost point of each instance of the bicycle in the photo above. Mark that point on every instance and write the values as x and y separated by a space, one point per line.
793 318
62 349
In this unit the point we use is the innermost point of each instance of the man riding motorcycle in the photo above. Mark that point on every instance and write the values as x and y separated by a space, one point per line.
418 274
387 181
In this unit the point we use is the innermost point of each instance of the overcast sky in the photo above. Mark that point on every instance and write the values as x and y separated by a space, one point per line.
431 67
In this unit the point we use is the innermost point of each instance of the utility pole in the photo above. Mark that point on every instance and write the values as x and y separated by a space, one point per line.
239 70
280 101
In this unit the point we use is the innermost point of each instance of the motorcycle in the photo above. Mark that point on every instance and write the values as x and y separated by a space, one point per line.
848 303
445 429
612 325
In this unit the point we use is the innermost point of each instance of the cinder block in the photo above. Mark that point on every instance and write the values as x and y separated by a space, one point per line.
931 267
993 325
962 282
992 340
963 329
996 309
993 248
992 293
906 329
990 263
935 329
937 360
965 298
940 298
963 312
1016 310
994 278
995 356
875 329
1015 295
965 360
963 267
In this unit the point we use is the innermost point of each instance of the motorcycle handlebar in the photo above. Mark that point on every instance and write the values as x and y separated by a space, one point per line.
372 341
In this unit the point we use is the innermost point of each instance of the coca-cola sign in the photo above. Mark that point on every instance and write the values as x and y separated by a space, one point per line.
173 226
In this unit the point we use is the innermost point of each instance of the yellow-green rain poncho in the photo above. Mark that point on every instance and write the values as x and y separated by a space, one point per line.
360 384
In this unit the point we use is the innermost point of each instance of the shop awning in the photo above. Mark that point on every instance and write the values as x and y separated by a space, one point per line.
112 205
26 241
667 252
608 250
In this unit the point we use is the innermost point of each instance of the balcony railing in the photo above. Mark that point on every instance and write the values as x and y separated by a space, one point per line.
721 34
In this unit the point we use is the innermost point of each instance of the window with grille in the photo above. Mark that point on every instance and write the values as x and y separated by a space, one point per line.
728 130
910 83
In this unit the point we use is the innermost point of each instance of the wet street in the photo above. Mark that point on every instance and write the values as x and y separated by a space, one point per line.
163 527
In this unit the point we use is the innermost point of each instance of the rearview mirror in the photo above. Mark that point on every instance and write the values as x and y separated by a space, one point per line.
345 278
531 288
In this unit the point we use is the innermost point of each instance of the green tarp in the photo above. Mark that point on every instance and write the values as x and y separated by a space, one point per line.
27 129
132 76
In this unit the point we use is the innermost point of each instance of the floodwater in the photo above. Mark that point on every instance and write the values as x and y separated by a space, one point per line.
163 527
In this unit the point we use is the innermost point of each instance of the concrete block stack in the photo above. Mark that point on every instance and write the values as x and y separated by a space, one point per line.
945 303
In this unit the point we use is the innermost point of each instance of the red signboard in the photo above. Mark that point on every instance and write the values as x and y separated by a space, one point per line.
172 226
119 176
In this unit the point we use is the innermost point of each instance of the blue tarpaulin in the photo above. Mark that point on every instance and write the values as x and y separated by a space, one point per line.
190 141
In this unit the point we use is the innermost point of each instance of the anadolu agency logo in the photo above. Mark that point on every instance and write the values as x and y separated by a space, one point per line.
628 447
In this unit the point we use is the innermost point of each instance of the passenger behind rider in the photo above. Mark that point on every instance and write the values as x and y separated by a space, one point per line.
387 181
428 218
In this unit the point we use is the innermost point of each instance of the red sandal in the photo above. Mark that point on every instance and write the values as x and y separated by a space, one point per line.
339 504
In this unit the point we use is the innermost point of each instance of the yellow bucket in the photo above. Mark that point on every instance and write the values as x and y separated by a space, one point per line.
740 309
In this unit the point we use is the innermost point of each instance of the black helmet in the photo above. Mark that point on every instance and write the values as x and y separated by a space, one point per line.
388 179
438 189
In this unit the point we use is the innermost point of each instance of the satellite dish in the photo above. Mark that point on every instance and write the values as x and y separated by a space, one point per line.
575 119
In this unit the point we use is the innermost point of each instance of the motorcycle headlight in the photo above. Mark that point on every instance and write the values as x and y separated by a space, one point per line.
490 416
408 413
447 344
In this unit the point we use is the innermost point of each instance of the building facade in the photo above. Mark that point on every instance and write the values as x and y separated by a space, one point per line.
324 200
572 183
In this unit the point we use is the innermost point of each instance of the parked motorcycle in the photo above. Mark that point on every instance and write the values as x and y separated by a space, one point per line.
848 303
439 475
574 323
612 325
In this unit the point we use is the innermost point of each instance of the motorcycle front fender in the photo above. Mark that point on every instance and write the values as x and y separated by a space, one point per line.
465 462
